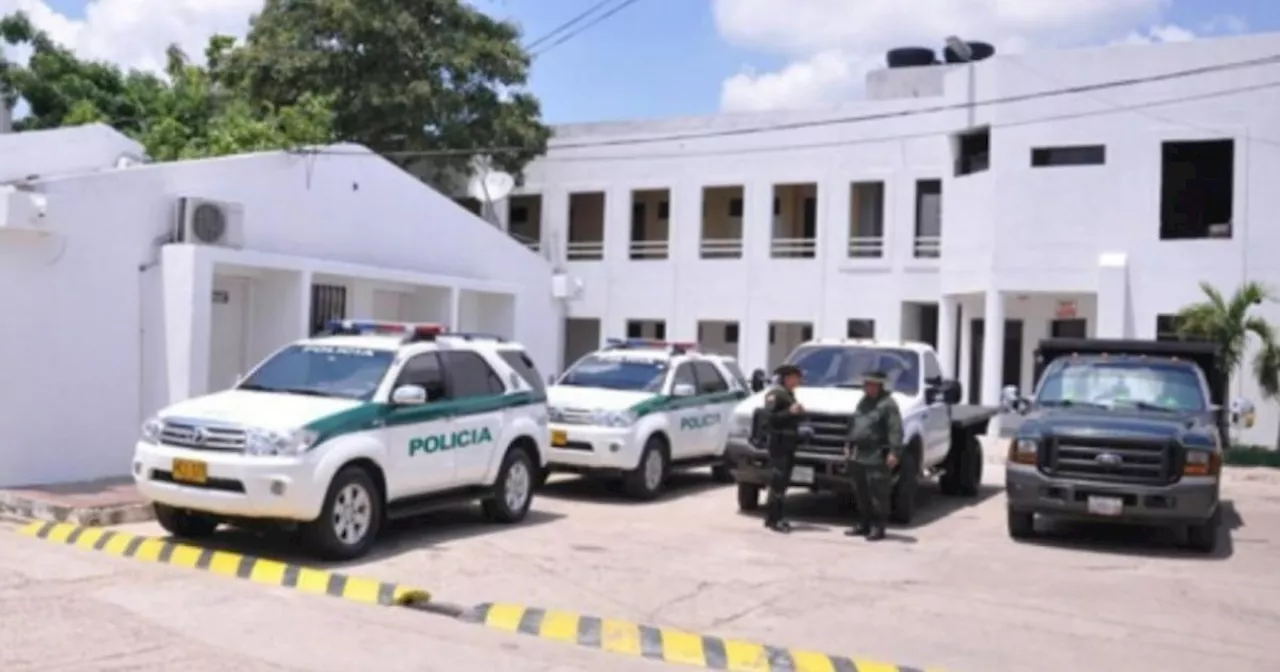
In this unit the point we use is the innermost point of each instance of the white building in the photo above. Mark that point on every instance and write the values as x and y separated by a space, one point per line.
128 286
1091 213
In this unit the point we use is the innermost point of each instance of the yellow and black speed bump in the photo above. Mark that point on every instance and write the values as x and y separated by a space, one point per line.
666 644
226 563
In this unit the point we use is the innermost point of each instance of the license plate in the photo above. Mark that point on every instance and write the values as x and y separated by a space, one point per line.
802 475
1106 506
559 437
190 471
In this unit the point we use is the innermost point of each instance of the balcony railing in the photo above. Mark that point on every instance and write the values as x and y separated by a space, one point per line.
585 250
866 247
928 247
649 249
793 248
721 248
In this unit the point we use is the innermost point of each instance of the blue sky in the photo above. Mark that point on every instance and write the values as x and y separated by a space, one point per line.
671 57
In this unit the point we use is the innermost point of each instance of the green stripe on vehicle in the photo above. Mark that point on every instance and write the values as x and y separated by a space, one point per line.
374 415
665 402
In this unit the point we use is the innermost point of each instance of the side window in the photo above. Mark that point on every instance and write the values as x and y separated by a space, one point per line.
469 375
423 370
931 369
736 371
684 376
709 379
525 367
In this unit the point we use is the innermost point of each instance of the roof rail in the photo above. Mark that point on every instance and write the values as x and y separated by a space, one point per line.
675 348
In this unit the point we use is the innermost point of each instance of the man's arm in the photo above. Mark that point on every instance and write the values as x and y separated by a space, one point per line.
893 429
778 407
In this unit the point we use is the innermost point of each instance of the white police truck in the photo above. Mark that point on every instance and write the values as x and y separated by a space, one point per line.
639 409
337 434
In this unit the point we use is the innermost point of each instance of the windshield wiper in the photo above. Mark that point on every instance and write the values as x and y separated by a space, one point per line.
1148 406
1070 403
303 391
848 386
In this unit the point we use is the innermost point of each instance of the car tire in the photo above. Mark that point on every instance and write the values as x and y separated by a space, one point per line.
902 500
722 473
1022 525
350 518
514 489
962 476
184 524
540 477
646 480
1203 538
748 497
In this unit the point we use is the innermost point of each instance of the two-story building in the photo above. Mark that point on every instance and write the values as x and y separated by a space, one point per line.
1083 192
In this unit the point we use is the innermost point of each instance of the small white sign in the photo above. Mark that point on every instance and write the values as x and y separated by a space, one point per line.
221 296
803 475
1106 506
1067 310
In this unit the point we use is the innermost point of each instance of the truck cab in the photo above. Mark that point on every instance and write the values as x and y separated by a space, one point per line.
1121 431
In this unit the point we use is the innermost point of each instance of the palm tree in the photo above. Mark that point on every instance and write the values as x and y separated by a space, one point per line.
1228 323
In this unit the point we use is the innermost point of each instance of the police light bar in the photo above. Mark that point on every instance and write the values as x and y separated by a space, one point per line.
653 343
473 336
366 327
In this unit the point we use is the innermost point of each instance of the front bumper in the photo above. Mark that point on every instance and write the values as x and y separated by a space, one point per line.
1193 499
240 486
820 471
588 448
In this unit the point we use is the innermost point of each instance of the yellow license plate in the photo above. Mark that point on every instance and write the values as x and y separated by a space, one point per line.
190 471
559 437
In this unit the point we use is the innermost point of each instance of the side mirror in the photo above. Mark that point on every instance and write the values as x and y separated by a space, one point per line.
1011 400
951 392
758 380
683 390
409 395
1243 414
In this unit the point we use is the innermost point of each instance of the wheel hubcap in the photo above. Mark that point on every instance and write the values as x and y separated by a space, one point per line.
352 514
653 470
516 492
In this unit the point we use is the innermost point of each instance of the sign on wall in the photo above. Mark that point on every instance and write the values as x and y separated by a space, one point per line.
1066 310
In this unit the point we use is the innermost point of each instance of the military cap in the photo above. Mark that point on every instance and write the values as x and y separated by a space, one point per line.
876 377
788 370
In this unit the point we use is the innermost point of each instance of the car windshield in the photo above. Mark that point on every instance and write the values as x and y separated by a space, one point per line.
1161 385
846 366
322 371
617 373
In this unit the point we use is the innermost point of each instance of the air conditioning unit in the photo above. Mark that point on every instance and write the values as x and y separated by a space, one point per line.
22 210
201 221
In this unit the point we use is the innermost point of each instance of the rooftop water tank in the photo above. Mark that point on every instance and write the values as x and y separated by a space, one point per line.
981 52
911 57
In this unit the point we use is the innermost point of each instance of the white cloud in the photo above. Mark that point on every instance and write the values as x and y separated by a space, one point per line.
831 44
135 33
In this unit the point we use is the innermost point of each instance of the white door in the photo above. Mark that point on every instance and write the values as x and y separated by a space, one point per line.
388 306
227 331
720 389
418 436
937 419
477 415
688 417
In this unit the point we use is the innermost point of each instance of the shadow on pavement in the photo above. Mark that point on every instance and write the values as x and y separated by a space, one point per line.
679 484
822 511
1151 542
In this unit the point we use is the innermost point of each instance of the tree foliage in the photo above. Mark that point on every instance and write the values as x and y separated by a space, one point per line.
404 78
187 114
1228 322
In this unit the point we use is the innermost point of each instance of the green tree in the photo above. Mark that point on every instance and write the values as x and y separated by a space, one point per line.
191 114
405 77
1230 323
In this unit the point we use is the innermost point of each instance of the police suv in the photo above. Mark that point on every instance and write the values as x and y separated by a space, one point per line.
339 433
639 409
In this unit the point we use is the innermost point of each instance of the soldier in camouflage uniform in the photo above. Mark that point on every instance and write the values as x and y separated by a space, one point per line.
782 424
873 449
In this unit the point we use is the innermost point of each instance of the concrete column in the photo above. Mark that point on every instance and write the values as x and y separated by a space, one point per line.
188 316
992 347
947 336
1113 319
455 309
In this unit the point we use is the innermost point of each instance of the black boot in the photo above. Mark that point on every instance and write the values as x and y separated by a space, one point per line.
859 530
876 533
781 526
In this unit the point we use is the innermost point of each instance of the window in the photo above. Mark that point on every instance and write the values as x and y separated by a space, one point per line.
973 152
635 329
709 379
731 333
1073 328
322 370
932 371
424 371
860 328
519 214
1177 386
664 210
806 332
1083 155
735 371
526 368
810 221
616 373
866 219
469 375
637 222
1167 328
328 302
928 218
735 207
684 376
1196 189
845 366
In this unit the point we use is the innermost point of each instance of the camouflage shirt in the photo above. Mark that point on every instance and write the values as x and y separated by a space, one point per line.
876 430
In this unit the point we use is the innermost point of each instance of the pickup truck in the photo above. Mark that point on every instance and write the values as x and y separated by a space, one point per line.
1121 431
941 437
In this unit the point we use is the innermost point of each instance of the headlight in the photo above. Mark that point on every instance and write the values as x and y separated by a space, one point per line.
151 430
1023 451
1202 463
555 414
618 419
268 442
740 426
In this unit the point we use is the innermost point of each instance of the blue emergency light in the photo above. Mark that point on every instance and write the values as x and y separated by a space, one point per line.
410 331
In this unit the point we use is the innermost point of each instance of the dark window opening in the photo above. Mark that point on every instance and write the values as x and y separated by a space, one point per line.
731 333
519 214
735 207
524 366
1070 328
328 302
860 328
973 152
468 375
1196 189
806 332
1167 327
928 243
810 222
1084 155
664 210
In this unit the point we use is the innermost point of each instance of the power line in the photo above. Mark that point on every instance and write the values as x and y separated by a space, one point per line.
566 25
587 26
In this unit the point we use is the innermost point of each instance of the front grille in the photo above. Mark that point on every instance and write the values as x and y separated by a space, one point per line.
198 436
830 432
1140 461
575 416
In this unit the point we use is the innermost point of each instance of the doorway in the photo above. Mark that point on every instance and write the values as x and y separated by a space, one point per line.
1072 328
228 319
1011 370
581 338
